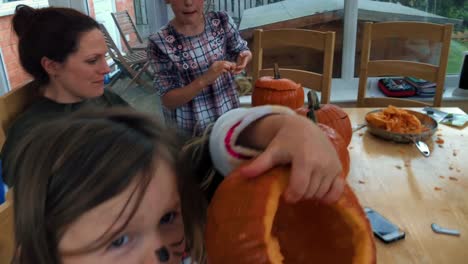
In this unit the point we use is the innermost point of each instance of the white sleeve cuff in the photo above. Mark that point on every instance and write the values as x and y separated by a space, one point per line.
225 154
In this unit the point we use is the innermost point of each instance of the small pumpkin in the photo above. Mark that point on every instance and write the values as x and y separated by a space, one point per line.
340 146
330 115
249 222
277 91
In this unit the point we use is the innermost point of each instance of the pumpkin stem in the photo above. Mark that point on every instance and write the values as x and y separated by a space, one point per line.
313 101
311 104
276 72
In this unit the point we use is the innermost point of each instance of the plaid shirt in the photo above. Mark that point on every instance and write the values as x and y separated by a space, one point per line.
178 60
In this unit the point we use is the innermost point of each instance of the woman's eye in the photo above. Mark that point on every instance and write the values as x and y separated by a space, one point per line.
93 61
168 218
119 242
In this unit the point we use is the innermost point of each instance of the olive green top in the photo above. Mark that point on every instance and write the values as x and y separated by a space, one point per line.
42 110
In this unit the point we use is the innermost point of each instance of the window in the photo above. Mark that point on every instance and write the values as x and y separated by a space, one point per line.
4 84
437 11
7 7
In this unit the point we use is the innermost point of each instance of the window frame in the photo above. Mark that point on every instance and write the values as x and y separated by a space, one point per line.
4 82
7 9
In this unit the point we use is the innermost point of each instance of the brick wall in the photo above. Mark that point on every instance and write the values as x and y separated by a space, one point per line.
121 5
8 42
91 8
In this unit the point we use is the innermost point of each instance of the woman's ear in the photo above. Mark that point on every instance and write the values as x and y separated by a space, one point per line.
50 66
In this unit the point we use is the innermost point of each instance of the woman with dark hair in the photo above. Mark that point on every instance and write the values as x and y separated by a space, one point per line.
64 51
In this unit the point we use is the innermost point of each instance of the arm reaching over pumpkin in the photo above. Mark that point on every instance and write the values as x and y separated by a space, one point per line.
275 136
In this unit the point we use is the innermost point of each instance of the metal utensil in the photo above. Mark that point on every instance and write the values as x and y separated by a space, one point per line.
435 113
359 127
422 147
438 229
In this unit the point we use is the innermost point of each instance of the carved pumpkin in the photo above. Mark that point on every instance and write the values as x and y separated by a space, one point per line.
330 115
249 223
277 91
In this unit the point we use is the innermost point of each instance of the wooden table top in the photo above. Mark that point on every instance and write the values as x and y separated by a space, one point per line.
413 191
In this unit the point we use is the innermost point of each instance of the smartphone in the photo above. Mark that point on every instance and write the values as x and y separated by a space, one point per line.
382 227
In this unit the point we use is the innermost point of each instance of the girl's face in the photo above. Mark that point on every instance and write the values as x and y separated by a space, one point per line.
157 224
187 12
81 75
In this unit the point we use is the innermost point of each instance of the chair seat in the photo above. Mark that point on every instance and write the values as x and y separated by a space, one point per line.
133 64
140 46
136 57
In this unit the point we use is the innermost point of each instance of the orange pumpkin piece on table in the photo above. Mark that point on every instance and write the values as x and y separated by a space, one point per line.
277 91
328 114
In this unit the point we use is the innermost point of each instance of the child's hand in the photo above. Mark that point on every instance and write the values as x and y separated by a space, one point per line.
218 68
242 60
315 164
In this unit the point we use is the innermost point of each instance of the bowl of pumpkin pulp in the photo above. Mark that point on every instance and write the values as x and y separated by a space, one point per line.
400 125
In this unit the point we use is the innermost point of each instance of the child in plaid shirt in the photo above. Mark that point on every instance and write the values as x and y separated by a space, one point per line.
195 57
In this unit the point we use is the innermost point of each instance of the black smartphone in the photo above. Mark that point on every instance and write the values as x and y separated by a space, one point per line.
382 227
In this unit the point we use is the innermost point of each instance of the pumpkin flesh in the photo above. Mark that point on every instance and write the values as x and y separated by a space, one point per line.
248 222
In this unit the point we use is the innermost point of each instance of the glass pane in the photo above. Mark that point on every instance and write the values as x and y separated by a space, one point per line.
402 49
276 14
436 11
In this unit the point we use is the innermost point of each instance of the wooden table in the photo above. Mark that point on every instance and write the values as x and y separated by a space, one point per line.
413 191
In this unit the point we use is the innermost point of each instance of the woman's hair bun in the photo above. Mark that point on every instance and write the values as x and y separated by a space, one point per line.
23 19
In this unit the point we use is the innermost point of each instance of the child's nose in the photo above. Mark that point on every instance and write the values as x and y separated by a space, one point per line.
162 254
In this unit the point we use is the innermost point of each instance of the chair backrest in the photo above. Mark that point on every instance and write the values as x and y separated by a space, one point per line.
126 27
14 103
112 48
7 241
433 33
294 38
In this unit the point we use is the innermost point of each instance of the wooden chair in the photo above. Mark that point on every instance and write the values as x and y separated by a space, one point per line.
7 240
292 38
13 103
433 33
126 28
133 64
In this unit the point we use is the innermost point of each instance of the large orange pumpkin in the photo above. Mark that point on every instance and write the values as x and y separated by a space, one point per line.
249 223
277 91
330 115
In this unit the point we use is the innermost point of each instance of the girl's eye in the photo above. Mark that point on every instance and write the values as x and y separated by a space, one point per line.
119 242
168 218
